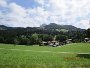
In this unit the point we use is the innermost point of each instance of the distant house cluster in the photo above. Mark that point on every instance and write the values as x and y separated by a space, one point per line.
55 43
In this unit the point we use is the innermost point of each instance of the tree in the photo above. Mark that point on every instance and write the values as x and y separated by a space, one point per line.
61 38
1 39
16 41
35 38
22 40
40 37
47 38
78 36
88 33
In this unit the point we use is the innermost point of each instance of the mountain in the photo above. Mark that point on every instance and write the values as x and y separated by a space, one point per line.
2 27
42 26
53 26
50 27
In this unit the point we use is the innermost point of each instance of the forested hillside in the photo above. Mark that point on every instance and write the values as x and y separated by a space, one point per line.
33 35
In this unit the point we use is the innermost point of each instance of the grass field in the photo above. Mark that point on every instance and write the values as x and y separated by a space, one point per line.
70 56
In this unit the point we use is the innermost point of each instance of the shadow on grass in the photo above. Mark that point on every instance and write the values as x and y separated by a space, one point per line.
87 56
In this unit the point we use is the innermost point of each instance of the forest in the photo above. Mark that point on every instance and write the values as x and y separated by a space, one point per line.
35 35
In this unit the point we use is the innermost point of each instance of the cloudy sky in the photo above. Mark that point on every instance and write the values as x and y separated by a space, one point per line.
31 13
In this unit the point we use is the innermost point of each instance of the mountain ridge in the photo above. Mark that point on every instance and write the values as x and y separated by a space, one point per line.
60 27
51 26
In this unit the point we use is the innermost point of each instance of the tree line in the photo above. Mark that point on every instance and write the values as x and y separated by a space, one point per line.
31 36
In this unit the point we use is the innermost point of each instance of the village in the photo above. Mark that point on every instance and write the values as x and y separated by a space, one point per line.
55 43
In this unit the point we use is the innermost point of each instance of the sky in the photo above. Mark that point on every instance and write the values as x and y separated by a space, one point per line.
33 13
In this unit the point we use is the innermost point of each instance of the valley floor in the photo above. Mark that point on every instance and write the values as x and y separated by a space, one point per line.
75 55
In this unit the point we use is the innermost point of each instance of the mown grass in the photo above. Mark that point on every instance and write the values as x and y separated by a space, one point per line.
76 47
33 59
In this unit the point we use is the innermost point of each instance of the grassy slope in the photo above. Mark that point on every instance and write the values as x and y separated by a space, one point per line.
76 47
26 59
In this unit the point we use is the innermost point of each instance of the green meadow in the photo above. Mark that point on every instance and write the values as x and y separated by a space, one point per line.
75 55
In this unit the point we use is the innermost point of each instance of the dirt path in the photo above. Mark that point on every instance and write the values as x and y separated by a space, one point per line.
43 51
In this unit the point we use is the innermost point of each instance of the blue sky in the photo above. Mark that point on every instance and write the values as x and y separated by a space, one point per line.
31 13
25 3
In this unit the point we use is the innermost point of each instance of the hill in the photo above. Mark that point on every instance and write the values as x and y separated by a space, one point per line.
2 27
53 26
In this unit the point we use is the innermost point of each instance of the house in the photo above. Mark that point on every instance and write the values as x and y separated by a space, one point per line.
43 43
68 41
87 40
54 43
49 43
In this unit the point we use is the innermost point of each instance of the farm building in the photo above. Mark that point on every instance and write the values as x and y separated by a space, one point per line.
87 40
69 41
49 43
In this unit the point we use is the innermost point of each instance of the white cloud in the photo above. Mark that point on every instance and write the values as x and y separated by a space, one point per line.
72 12
38 15
83 24
69 11
18 16
17 10
41 2
3 3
